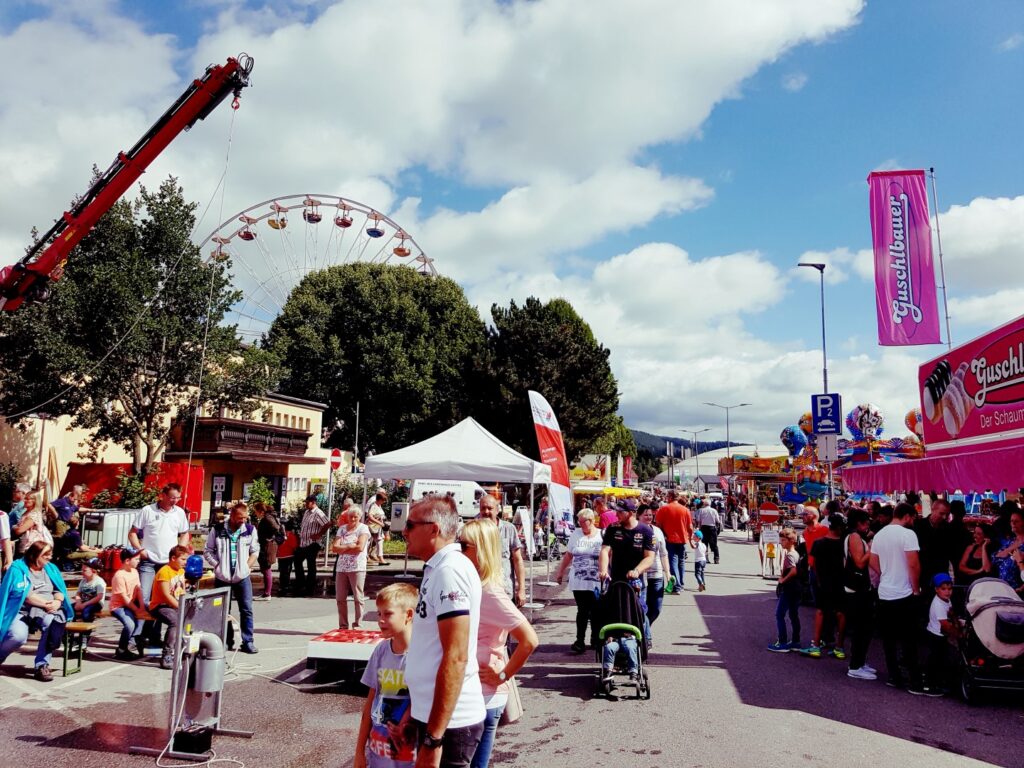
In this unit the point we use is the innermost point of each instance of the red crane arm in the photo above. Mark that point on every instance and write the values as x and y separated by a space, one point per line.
30 277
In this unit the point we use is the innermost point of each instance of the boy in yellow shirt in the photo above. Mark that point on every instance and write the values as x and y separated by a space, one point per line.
168 586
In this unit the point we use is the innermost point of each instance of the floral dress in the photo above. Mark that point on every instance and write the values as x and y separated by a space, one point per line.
1007 567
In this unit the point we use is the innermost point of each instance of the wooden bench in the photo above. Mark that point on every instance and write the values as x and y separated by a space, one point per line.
76 640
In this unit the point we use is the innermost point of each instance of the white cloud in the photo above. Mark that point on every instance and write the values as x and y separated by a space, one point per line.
794 81
983 244
988 311
1014 41
840 265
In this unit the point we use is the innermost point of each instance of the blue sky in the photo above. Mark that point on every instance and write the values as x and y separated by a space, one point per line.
663 166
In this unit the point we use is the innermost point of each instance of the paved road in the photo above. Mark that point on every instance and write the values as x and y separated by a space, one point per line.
719 699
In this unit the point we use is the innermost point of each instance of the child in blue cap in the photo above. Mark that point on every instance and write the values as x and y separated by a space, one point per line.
700 558
941 627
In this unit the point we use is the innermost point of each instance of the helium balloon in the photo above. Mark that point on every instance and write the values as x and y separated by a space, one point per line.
794 439
806 424
914 422
853 424
870 420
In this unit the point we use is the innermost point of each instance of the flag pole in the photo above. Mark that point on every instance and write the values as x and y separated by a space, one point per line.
942 270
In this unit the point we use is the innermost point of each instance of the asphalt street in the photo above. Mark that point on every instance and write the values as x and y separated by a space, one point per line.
718 698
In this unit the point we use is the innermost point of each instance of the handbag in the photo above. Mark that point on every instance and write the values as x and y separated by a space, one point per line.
514 706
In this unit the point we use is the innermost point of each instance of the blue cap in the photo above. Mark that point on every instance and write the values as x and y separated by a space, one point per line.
941 578
699 534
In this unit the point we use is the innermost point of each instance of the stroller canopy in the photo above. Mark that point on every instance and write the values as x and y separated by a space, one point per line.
997 617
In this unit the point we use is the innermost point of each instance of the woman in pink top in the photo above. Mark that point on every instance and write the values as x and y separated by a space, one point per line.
499 618
126 603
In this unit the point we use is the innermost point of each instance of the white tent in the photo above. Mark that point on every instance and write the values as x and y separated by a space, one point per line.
467 451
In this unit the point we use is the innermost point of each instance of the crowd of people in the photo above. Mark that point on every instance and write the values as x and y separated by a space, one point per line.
894 570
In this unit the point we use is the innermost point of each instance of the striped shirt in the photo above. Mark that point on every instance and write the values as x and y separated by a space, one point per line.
313 523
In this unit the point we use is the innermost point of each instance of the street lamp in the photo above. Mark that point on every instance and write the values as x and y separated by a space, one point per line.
727 408
696 457
824 355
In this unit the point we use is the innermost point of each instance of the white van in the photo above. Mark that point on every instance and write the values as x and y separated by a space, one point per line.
465 493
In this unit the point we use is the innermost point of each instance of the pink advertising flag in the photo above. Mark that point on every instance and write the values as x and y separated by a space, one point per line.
905 300
552 453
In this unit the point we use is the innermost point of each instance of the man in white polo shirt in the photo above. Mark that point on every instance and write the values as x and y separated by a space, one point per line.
441 669
156 528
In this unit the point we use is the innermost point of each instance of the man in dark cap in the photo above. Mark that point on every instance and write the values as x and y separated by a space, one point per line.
314 525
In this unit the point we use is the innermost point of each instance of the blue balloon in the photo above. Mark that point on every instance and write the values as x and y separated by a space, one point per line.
794 439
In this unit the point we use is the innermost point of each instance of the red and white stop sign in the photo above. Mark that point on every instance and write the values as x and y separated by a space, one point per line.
335 458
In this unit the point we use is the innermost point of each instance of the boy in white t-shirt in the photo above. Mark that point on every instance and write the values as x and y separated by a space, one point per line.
940 629
700 558
386 738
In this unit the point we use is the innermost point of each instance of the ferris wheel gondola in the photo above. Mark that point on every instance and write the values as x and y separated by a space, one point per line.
269 264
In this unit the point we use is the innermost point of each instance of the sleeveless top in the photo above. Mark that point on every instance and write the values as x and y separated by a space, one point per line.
854 579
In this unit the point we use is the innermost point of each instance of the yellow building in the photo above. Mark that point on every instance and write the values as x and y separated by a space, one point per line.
280 441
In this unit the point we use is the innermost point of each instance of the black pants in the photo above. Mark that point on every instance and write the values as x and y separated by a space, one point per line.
711 539
860 625
938 661
305 569
458 745
898 624
586 602
284 570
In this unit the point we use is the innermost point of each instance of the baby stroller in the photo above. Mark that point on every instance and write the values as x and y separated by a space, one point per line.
619 610
992 643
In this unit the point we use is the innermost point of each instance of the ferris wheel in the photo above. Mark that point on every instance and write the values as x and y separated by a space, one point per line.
273 247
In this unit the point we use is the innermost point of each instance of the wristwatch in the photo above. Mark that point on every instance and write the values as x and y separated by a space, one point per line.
432 743
502 676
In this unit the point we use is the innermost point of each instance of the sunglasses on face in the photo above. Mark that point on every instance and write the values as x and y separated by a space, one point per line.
410 524
465 545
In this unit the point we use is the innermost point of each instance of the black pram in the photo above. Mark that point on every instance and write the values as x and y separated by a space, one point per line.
620 610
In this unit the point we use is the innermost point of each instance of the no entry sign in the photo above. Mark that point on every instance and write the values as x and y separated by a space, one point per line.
335 458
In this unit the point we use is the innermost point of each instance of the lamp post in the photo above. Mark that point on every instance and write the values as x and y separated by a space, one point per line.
696 457
824 355
727 408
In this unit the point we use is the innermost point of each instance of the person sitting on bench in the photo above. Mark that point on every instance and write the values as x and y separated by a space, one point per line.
33 597
88 600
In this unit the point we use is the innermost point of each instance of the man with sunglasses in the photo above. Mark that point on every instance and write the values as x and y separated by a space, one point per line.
441 669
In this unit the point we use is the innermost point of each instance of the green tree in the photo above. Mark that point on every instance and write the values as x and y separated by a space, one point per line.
260 491
549 348
618 440
137 275
407 348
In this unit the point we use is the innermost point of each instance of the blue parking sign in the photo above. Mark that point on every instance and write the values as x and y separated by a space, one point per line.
826 414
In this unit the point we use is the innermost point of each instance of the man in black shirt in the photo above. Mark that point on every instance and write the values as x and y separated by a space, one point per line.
629 544
828 570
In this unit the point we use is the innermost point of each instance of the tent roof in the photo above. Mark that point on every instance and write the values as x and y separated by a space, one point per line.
467 451
995 468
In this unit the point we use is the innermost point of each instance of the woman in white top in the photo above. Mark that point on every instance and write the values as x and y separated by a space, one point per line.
581 560
32 526
657 572
350 571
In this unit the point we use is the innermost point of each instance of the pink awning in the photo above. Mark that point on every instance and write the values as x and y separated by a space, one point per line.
995 469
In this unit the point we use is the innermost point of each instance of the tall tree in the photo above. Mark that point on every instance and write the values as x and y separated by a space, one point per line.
549 348
137 275
406 347
618 440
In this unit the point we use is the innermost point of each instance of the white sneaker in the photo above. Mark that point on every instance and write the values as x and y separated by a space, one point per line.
862 674
262 598
869 668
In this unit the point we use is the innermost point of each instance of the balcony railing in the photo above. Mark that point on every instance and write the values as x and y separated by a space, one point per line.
214 434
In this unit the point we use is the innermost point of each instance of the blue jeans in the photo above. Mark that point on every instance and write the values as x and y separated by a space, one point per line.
147 575
698 572
51 633
655 598
677 561
482 756
627 644
241 593
132 625
789 602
